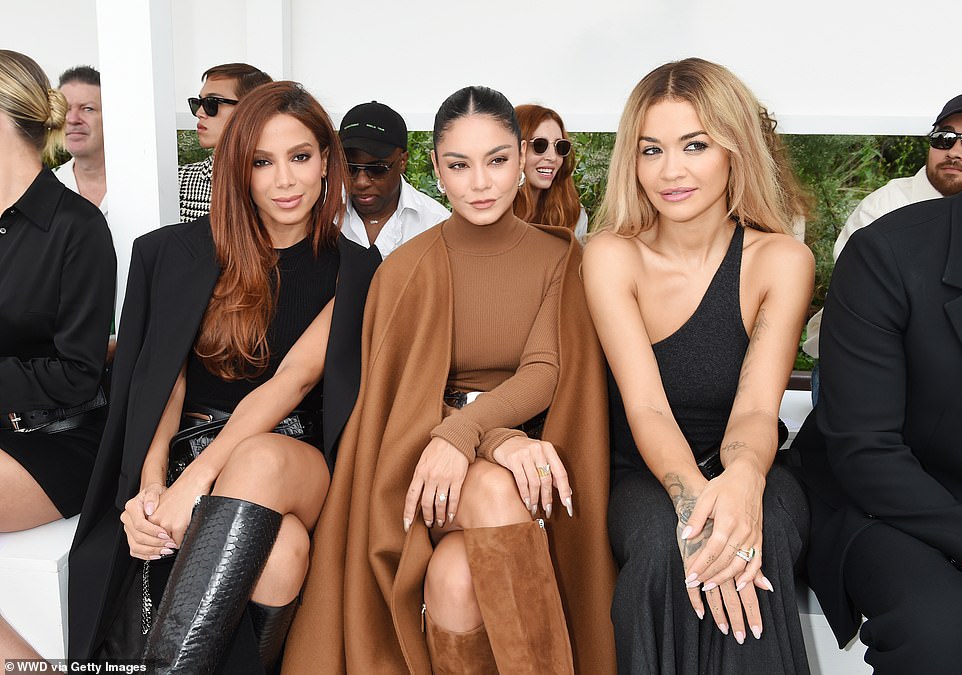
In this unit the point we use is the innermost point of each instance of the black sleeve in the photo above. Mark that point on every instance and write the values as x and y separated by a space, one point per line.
84 311
862 403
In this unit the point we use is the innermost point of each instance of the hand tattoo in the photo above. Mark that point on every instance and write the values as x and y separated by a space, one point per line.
684 501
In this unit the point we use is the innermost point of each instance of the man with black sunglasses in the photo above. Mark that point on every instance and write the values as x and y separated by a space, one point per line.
940 177
223 87
383 209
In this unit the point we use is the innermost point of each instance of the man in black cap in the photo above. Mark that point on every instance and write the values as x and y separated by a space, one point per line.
383 209
940 177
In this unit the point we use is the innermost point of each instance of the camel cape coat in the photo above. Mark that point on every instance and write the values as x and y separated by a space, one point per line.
361 610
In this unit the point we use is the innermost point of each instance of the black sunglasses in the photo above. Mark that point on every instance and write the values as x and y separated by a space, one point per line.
540 146
210 104
943 140
373 171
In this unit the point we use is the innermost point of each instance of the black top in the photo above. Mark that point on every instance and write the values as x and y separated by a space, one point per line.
57 281
699 365
306 286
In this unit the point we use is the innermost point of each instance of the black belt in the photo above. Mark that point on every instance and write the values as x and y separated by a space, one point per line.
533 428
52 420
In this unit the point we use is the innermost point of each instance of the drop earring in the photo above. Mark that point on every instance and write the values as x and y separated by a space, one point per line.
521 180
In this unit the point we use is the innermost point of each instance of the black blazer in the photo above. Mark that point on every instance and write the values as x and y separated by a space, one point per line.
885 441
173 271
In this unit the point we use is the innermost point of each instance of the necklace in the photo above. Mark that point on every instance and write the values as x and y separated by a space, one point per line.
373 221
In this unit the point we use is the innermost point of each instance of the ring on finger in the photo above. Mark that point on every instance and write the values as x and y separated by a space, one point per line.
544 470
746 554
442 496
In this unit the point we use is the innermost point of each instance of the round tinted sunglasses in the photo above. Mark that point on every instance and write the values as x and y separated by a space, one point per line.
943 140
540 146
209 103
374 171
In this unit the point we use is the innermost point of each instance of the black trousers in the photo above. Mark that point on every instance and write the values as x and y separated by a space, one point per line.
912 596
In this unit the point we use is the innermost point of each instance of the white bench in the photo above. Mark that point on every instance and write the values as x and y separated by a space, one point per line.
33 584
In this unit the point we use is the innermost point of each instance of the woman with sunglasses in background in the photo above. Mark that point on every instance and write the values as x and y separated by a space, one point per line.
57 271
549 195
224 86
476 337
213 309
698 292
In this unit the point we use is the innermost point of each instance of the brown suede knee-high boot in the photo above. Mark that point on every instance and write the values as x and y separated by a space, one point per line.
515 585
454 653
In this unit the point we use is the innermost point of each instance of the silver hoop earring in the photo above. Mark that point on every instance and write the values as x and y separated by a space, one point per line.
521 180
441 187
323 190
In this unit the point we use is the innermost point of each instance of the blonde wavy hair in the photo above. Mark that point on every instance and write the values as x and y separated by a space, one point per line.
38 111
763 192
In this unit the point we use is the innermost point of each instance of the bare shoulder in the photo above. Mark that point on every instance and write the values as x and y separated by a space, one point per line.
607 253
774 251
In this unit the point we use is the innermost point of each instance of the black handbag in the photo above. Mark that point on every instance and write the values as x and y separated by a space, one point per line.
196 434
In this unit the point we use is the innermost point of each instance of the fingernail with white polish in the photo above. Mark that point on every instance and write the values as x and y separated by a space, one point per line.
723 628
692 584
768 584
547 510
739 637
527 503
710 585
757 632
700 613
166 551
450 517
534 510
686 532
155 557
691 577
407 524
427 524
440 523
567 502
740 586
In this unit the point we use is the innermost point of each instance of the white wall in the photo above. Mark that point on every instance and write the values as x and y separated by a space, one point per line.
823 66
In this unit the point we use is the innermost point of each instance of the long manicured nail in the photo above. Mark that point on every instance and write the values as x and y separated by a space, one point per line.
710 585
527 503
547 510
427 524
757 632
155 557
149 508
166 551
768 584
440 523
739 637
567 502
700 613
407 524
691 577
686 532
163 535
692 584
534 510
723 628
740 586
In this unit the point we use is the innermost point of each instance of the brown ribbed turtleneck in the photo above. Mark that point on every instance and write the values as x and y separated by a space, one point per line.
505 280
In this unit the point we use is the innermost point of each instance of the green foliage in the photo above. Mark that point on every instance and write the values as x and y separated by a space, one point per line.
593 151
420 172
188 150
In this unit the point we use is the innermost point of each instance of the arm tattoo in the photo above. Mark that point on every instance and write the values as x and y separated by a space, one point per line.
758 330
732 447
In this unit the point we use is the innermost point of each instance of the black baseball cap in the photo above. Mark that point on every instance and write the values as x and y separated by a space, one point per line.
374 128
952 107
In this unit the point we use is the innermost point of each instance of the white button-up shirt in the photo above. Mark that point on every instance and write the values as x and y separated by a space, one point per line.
416 212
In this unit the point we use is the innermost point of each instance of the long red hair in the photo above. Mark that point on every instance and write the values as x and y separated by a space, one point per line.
232 342
559 204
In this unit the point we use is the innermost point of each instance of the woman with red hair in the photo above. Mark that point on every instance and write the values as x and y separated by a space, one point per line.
214 308
548 195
